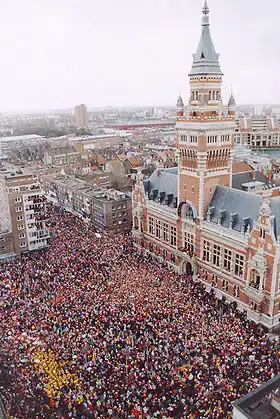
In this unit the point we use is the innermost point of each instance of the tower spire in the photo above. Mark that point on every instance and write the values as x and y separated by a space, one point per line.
205 14
205 60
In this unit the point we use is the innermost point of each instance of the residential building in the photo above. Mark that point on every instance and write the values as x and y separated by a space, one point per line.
257 131
84 144
60 156
81 116
263 402
191 217
9 143
6 244
111 210
22 214
106 209
95 178
68 192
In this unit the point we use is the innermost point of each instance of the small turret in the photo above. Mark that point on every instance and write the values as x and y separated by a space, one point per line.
180 107
231 105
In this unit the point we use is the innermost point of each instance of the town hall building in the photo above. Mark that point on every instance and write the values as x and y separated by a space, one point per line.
192 218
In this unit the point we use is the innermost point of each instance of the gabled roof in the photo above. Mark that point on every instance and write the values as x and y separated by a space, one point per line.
101 160
233 205
205 60
134 161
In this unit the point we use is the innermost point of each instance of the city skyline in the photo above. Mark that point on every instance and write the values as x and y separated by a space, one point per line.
57 54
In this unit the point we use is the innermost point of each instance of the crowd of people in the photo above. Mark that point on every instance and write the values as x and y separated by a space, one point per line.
92 329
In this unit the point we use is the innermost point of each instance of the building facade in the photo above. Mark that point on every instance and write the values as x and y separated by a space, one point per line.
191 217
258 131
111 210
81 116
61 156
105 209
23 214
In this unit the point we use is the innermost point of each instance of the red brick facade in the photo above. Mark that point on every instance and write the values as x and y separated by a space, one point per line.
229 243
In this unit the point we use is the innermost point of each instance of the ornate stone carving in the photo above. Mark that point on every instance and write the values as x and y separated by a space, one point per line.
265 207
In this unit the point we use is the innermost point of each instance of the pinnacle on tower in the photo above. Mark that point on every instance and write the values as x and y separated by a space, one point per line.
205 12
231 101
180 103
205 60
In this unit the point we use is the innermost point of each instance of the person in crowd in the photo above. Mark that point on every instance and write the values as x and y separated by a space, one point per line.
90 328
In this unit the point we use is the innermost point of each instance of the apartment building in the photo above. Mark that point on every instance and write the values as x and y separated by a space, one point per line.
61 156
111 210
81 116
106 209
257 131
22 214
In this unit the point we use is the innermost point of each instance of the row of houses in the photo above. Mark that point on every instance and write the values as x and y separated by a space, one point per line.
105 209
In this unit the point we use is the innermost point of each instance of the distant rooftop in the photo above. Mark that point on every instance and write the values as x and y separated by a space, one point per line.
15 173
97 137
83 187
22 137
150 123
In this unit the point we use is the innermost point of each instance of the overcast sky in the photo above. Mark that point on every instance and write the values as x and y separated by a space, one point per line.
57 53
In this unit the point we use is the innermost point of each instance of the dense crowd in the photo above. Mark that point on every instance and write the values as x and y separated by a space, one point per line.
92 329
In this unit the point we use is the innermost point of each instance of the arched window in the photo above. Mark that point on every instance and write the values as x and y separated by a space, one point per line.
213 95
217 95
210 95
187 210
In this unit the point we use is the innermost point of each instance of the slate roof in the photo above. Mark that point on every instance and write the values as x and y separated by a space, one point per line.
233 205
231 101
239 178
205 60
164 182
180 102
275 207
229 207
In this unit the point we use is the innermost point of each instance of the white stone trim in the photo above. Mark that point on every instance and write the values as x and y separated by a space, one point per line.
203 126
201 194
273 290
229 236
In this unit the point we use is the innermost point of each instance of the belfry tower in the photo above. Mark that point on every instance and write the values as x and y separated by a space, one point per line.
205 128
